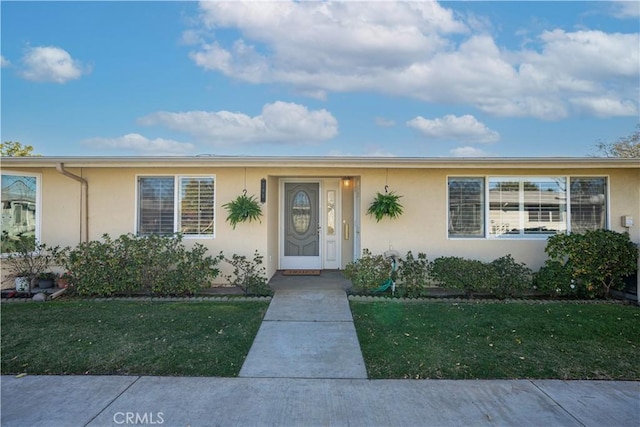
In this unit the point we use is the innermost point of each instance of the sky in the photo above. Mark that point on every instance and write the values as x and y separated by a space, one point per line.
344 78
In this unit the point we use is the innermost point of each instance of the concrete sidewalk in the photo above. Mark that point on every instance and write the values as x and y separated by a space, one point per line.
51 401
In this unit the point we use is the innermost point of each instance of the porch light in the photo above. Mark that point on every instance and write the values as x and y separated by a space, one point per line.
346 181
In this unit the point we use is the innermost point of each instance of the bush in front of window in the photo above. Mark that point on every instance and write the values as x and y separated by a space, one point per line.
554 278
507 278
413 275
155 265
368 272
469 275
597 260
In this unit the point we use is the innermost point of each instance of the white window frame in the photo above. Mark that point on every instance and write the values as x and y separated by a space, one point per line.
38 216
521 211
176 202
488 236
607 184
484 213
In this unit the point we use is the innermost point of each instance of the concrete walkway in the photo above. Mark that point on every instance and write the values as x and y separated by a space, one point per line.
306 334
305 368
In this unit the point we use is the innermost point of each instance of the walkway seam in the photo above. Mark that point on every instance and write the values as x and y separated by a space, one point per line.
557 403
113 400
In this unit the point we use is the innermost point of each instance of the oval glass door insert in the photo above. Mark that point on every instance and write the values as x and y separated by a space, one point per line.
301 212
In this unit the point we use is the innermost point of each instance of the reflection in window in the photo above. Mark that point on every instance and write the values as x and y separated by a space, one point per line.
527 206
331 213
588 204
301 212
19 209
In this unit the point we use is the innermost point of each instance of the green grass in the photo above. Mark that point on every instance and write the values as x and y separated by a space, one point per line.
128 338
484 341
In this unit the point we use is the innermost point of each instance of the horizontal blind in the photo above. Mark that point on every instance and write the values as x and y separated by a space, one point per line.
588 204
156 205
196 205
466 207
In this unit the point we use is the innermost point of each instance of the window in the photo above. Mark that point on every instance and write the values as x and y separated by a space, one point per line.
525 206
588 204
163 210
466 207
20 208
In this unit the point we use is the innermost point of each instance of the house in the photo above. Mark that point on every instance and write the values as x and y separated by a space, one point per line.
314 208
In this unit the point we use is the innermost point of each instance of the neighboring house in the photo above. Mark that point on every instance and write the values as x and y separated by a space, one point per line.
314 210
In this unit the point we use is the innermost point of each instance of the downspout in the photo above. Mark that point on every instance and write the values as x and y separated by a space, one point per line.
84 210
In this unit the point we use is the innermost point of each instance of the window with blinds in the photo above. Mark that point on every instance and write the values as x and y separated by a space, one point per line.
168 204
466 207
588 203
196 206
527 205
155 205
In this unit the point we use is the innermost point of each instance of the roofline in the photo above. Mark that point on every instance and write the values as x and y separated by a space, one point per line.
322 161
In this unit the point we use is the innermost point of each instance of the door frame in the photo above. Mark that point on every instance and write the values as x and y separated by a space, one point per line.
332 183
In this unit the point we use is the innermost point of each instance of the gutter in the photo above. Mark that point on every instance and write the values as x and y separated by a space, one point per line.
84 196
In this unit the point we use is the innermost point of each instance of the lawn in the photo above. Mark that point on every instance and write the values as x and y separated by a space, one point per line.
492 340
128 338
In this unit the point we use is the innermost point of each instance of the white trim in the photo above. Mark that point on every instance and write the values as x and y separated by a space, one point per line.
534 237
562 163
38 216
176 201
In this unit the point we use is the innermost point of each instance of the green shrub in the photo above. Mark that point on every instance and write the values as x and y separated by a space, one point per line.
598 260
413 275
507 278
249 275
157 265
468 275
368 272
554 278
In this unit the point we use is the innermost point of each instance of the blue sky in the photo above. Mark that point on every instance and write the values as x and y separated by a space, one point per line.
426 79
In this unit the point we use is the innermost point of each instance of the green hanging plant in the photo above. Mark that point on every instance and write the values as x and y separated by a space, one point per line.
243 208
385 205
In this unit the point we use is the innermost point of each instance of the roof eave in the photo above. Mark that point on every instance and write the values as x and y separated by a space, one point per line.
327 162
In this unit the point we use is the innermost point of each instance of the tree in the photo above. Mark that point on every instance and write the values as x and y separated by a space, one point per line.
628 146
15 149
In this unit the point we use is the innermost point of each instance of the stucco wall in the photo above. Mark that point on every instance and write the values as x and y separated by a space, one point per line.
422 227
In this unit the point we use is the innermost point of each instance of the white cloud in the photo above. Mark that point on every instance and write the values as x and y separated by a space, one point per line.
142 145
279 122
415 49
468 152
50 64
626 9
604 106
4 62
453 128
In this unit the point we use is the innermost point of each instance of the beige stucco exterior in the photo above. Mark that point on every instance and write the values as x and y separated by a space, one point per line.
421 182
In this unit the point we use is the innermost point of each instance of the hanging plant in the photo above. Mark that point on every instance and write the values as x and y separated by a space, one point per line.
243 208
386 204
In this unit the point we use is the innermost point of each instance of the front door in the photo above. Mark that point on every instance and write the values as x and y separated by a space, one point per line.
301 227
